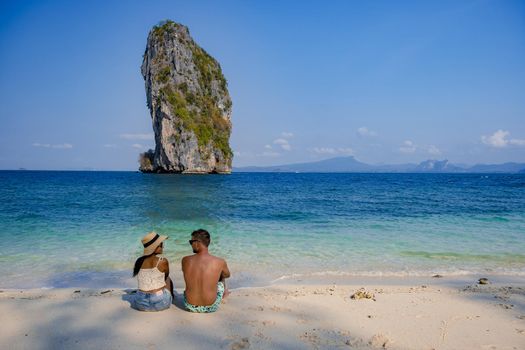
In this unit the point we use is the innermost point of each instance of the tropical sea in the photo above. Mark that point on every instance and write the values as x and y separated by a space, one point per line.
79 229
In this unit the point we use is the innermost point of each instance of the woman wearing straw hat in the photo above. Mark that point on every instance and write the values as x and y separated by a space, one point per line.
155 288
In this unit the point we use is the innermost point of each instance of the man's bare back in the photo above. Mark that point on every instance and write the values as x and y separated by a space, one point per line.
201 272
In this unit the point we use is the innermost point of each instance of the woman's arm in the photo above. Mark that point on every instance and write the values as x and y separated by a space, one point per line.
164 266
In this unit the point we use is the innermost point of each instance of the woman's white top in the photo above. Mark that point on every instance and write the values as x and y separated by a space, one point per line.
150 279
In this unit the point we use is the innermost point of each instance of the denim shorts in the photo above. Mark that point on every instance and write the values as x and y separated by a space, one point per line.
158 301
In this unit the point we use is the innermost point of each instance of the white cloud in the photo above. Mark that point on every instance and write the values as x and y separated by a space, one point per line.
433 150
324 150
285 145
138 146
364 132
270 154
408 147
286 135
331 150
57 146
347 150
148 136
268 146
517 142
244 154
499 140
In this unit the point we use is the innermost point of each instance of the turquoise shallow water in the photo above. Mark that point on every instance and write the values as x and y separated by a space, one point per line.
69 229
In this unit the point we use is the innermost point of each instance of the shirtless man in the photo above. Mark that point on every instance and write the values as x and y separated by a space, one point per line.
204 275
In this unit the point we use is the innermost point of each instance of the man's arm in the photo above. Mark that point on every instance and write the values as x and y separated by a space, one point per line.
184 267
225 273
183 263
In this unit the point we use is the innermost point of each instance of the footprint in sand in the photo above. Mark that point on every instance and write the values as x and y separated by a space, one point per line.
302 321
243 343
310 337
277 309
265 323
379 341
258 308
261 335
330 339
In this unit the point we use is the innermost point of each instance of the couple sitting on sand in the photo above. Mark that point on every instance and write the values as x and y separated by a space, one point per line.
204 275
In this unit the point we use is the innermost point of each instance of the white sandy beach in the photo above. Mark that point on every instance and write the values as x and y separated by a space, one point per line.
406 314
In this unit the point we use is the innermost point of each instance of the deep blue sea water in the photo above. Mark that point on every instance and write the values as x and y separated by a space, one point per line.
68 229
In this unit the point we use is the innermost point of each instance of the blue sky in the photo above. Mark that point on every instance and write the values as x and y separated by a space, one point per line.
385 81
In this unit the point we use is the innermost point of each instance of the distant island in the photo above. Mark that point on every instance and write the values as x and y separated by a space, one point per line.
352 165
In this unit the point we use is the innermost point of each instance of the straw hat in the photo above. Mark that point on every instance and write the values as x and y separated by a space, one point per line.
151 241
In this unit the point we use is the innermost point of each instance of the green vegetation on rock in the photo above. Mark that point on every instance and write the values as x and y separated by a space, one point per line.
164 75
201 117
208 68
164 27
146 161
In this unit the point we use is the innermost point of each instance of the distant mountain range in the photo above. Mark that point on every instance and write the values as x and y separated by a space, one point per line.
352 165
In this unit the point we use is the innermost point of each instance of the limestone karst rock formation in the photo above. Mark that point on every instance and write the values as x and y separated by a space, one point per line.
189 102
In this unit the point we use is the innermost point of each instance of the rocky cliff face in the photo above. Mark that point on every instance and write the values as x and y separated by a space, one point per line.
189 102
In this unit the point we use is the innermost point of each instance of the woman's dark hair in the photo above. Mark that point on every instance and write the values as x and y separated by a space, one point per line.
138 264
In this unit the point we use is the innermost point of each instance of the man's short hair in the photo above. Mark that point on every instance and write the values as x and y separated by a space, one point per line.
202 235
